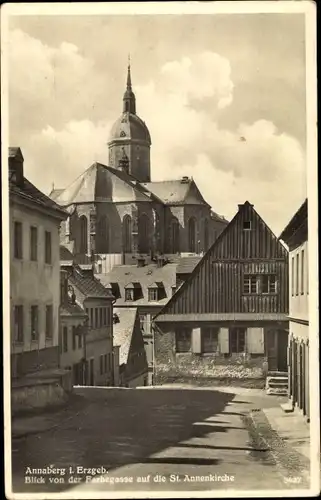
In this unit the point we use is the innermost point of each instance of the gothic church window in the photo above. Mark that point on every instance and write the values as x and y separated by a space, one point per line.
175 236
192 235
127 234
104 234
143 234
83 247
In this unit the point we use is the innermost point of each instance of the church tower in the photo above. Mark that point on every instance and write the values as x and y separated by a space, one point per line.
130 138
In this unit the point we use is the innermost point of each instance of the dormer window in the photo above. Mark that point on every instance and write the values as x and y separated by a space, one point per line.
129 294
247 225
153 294
133 291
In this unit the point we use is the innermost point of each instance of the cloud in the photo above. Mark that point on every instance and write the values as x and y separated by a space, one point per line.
53 90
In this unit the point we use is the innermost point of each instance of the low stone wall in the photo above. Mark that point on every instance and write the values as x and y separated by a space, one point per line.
196 369
32 395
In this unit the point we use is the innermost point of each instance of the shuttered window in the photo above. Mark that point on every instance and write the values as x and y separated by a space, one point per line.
183 340
209 339
237 340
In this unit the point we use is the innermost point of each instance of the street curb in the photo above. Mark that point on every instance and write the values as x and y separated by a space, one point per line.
292 463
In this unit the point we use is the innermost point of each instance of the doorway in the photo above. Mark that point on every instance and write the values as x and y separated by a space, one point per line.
276 342
91 372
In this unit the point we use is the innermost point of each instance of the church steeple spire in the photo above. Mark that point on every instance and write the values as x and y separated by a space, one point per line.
129 100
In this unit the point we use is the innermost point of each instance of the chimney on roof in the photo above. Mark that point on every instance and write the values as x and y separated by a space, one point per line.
160 260
240 205
140 262
16 165
185 179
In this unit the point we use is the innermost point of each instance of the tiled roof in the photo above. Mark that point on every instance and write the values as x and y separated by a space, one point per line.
29 192
218 218
72 310
123 275
187 264
88 285
298 218
176 192
123 331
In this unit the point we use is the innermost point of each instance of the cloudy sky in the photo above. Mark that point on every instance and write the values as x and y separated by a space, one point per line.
222 95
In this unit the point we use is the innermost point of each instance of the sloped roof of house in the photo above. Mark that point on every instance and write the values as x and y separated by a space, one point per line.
187 264
218 250
176 192
88 285
72 310
123 331
29 192
146 276
298 218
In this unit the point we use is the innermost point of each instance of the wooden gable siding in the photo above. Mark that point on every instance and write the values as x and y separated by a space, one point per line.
216 284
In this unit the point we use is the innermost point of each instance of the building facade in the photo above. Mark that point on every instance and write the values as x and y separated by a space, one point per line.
133 366
34 274
73 330
229 317
97 303
117 212
295 235
147 287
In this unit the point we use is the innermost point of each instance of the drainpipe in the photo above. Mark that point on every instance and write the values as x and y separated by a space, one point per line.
112 344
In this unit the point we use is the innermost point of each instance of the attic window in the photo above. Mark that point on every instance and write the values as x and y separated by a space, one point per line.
153 294
247 225
129 294
122 134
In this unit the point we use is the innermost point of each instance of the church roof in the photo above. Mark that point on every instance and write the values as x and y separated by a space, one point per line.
101 183
129 126
176 192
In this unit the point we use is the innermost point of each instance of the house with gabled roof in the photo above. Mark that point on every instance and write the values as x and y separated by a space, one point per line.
96 342
295 236
117 213
34 221
128 338
229 317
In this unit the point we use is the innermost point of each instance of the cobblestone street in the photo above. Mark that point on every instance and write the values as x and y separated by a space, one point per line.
165 436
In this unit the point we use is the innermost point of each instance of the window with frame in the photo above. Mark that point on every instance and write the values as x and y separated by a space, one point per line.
80 339
74 338
33 243
101 318
91 321
129 294
83 243
143 319
175 236
49 322
192 235
17 240
183 340
153 294
101 362
48 256
34 313
302 272
297 274
105 363
18 323
247 225
105 316
237 340
65 339
250 284
209 339
292 276
268 283
96 317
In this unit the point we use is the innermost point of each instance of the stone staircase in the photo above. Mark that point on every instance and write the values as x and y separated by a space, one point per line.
277 383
